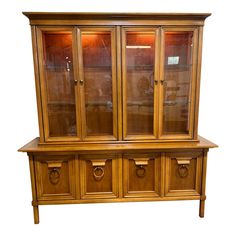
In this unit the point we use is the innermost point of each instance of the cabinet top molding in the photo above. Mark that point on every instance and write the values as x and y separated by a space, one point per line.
69 18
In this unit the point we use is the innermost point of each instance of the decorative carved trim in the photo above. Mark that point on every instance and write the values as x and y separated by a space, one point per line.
142 162
98 162
54 164
183 161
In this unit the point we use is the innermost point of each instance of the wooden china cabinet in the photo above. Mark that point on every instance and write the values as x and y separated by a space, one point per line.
118 98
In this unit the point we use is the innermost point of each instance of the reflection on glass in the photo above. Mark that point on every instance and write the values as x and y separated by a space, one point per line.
58 67
177 86
98 82
140 50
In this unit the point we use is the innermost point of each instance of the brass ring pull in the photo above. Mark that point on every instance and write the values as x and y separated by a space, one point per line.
54 176
98 173
140 171
183 170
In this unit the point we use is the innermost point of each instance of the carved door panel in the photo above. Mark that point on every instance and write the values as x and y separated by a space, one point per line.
99 176
183 173
142 173
55 177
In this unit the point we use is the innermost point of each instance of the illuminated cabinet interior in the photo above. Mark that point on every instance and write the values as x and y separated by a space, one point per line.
118 101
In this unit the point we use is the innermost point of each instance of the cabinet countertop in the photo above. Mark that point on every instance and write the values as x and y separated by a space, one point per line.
34 146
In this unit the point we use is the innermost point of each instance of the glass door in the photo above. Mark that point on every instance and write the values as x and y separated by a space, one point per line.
97 56
139 77
178 75
58 83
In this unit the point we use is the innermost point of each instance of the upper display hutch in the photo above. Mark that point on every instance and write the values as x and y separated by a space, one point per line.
117 77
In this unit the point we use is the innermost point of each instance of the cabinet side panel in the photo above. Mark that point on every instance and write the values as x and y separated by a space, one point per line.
37 83
198 78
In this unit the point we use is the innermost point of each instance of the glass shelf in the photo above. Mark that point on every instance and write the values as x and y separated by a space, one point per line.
177 67
140 67
63 103
141 103
173 103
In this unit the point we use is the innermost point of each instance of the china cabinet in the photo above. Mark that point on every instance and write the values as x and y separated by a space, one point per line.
118 98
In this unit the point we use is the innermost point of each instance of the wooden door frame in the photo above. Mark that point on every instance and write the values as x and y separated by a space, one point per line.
95 29
194 82
156 31
40 52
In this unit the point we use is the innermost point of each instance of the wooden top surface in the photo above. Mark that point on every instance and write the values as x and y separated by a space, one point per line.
33 146
99 18
109 15
124 19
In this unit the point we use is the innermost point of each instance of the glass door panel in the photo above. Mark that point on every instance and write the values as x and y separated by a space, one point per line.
99 83
59 87
138 83
178 82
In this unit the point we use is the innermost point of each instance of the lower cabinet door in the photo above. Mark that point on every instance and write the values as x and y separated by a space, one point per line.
55 177
183 173
142 175
99 176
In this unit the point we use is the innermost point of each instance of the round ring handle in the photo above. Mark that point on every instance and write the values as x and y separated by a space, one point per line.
54 176
140 171
98 172
183 171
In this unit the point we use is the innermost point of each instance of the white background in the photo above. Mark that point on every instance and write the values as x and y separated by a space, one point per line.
18 125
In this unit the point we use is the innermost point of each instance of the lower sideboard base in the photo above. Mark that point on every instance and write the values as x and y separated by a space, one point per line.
68 175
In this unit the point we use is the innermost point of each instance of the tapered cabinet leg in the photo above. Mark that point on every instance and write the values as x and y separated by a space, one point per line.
36 214
201 208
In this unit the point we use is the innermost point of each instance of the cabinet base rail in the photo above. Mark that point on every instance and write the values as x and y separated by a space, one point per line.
36 204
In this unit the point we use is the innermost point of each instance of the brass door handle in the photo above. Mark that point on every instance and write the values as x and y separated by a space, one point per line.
81 82
98 172
156 82
141 165
183 166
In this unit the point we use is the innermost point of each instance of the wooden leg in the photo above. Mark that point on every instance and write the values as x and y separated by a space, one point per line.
36 214
201 208
33 186
203 186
